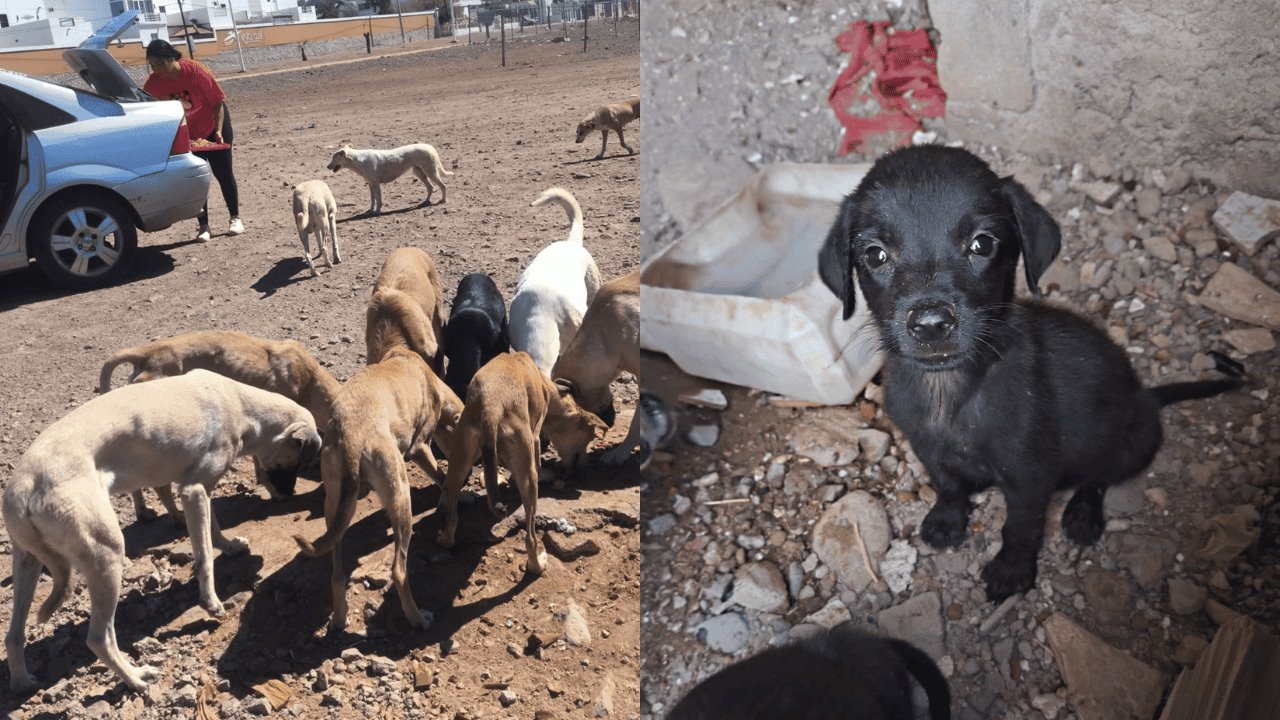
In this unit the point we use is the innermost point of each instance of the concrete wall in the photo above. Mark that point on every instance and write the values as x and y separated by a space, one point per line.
1147 83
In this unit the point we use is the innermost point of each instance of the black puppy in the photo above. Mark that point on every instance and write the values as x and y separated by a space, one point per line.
989 390
843 673
476 332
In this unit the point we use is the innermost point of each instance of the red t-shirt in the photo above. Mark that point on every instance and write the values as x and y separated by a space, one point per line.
197 90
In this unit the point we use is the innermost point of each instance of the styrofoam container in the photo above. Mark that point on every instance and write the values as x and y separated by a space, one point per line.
738 298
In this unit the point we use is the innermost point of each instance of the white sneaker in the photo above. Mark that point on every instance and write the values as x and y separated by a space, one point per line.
202 235
236 227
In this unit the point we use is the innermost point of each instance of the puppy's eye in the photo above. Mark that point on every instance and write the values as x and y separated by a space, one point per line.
875 256
982 244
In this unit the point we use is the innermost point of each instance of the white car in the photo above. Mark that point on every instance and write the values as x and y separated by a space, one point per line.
82 171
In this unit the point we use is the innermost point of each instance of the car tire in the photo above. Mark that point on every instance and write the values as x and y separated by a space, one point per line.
84 241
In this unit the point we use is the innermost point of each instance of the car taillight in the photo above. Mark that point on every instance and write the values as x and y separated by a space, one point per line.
181 140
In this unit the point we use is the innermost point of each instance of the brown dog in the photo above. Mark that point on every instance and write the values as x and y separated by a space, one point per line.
386 412
510 403
407 308
610 117
280 366
607 343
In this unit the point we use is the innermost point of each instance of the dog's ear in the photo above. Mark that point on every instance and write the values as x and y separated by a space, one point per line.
308 440
1037 231
835 262
567 386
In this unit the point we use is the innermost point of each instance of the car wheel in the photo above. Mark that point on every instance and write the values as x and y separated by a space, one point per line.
84 241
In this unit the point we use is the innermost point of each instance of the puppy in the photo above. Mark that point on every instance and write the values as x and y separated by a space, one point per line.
406 308
610 117
281 366
657 426
314 211
383 166
184 430
476 331
990 391
385 413
843 673
607 343
509 404
553 293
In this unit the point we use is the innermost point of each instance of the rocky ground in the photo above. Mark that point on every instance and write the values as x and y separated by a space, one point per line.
563 645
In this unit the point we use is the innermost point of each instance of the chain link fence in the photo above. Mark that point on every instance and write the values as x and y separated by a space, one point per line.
566 20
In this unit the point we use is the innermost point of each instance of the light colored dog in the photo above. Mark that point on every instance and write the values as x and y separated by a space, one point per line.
185 431
383 166
553 293
385 413
509 404
281 366
315 211
607 343
406 308
610 117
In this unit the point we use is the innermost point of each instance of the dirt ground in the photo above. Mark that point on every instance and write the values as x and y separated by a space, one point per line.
507 134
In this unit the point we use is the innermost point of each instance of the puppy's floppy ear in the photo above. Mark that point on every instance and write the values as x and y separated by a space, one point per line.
1037 230
307 439
567 386
835 262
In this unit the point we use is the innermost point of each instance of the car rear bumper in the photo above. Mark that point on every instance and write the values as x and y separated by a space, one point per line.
164 198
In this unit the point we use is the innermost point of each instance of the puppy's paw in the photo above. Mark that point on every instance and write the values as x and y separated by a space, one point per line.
213 606
1005 577
1083 523
497 509
23 684
537 565
148 674
945 526
235 546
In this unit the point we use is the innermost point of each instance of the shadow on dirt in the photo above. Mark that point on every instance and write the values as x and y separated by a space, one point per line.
24 287
286 272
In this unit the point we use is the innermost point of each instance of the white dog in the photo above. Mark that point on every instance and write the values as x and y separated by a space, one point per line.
186 430
314 211
554 291
383 166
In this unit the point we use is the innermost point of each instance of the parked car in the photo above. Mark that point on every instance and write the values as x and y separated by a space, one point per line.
81 171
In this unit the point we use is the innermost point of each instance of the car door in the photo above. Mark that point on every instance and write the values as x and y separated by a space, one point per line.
21 180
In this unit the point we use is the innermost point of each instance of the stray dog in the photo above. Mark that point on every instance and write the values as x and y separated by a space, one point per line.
610 117
842 673
509 404
315 211
990 391
406 308
386 412
383 166
607 343
657 426
553 293
476 331
281 366
184 430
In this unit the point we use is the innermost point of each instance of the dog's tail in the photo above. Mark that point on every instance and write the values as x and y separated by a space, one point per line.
392 312
1177 392
926 672
348 483
130 355
564 199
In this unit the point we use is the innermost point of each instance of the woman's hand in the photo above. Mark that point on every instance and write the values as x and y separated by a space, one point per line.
217 135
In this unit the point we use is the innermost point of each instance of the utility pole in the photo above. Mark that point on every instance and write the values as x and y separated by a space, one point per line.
186 32
453 23
401 16
240 49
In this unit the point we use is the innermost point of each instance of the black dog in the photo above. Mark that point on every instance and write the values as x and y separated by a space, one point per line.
840 674
989 391
476 332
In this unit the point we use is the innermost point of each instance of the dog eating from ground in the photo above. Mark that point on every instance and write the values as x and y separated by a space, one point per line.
406 309
383 166
316 212
280 366
509 405
610 117
990 390
840 673
476 331
607 343
185 431
386 412
554 291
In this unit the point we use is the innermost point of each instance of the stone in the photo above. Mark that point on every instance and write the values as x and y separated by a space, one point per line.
760 586
1248 220
662 524
1161 247
704 436
576 631
1230 533
1102 682
1049 705
1101 192
1233 292
258 706
380 666
725 633
604 701
507 698
834 538
1186 597
918 621
1220 614
1147 203
1175 181
831 614
824 437
1145 557
1203 242
1107 595
1248 341
1189 650
333 697
873 444
1102 167
423 676
898 564
1126 499
1061 275
708 398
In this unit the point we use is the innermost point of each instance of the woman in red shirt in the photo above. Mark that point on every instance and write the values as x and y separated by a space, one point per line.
173 78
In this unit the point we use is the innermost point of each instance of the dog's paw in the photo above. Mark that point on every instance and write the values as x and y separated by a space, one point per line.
422 621
497 509
1005 577
145 514
23 684
537 565
1083 522
213 606
444 540
235 546
616 455
945 526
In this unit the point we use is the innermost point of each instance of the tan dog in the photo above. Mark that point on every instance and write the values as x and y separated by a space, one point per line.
315 211
509 404
383 166
281 366
406 309
385 413
185 431
607 343
610 117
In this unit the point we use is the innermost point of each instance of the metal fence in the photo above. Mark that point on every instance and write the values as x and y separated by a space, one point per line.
569 20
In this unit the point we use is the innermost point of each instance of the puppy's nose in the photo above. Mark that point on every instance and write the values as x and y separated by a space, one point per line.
931 323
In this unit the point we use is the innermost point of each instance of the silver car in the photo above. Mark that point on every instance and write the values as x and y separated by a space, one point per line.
82 171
